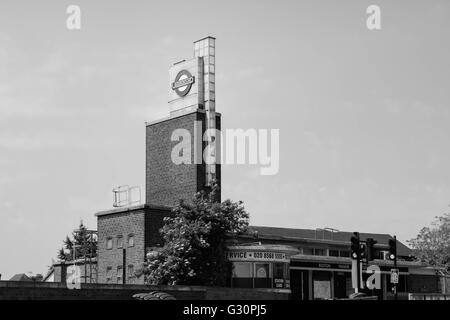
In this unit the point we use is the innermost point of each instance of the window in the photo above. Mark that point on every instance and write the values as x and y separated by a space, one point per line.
321 284
344 253
319 252
119 241
242 270
119 274
278 270
130 272
262 270
131 240
108 274
242 275
308 251
109 243
262 276
333 253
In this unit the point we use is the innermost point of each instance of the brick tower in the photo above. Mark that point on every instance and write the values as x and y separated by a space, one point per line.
192 113
127 233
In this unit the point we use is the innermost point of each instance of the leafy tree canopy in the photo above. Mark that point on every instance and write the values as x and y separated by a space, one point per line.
194 251
432 244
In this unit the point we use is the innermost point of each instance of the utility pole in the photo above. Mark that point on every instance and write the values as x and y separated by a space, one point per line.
358 270
124 262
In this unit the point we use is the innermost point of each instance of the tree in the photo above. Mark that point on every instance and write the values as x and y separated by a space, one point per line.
194 251
83 242
432 244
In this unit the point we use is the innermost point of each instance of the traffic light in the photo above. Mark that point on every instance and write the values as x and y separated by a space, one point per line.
362 250
354 246
392 249
370 243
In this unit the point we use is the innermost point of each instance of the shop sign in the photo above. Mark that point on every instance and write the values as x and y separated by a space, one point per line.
278 283
257 256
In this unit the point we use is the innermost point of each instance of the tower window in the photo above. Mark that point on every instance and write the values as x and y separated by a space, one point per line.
119 241
131 240
109 243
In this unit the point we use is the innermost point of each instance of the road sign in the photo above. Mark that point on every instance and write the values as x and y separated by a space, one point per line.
394 275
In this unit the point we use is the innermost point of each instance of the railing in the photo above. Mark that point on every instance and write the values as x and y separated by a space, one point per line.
428 296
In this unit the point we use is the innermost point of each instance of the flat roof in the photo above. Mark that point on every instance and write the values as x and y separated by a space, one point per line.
205 38
178 115
321 235
131 208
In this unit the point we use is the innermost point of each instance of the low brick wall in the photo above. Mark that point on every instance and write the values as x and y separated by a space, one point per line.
16 290
212 293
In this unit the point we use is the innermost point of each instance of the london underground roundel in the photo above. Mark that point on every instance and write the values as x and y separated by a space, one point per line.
183 83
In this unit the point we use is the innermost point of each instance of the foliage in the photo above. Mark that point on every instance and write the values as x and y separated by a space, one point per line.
432 244
194 251
84 244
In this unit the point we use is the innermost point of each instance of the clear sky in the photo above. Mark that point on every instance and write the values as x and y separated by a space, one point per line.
364 116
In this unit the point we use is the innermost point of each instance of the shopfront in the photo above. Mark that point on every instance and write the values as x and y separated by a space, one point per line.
260 266
323 278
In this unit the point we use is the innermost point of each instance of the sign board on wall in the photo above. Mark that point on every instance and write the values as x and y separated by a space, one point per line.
257 256
186 87
278 283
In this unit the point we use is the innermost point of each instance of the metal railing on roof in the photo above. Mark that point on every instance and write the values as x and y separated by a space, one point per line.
325 230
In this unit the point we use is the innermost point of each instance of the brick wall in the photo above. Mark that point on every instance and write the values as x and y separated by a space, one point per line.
17 290
143 222
88 274
217 293
125 224
166 182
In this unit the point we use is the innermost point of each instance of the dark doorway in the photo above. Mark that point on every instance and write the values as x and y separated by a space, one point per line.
299 285
340 285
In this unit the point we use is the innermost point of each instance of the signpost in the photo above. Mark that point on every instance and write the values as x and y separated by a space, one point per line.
394 276
393 256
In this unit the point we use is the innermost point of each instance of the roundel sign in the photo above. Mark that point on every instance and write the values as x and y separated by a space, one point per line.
183 83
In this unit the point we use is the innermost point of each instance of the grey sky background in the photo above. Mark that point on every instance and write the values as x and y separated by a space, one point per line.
364 116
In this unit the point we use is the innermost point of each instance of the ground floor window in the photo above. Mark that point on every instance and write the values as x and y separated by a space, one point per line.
242 270
130 273
260 275
322 285
108 274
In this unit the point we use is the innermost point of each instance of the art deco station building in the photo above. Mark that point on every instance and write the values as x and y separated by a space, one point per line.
126 234
311 264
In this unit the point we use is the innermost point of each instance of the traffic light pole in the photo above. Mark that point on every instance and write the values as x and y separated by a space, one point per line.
355 246
395 267
358 273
